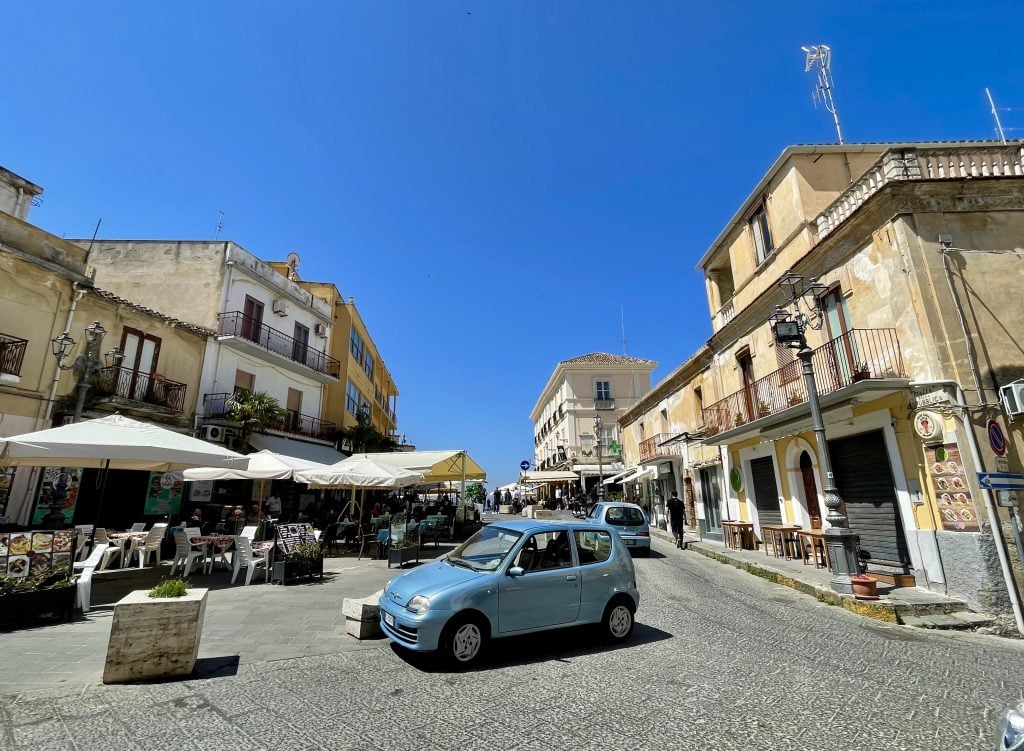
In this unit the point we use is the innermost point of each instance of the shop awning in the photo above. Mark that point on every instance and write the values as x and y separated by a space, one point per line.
596 469
435 466
617 478
639 473
555 475
313 452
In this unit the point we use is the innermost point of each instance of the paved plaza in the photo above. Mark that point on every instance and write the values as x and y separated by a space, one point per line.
719 660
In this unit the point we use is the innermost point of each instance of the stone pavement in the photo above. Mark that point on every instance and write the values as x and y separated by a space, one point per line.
719 661
243 624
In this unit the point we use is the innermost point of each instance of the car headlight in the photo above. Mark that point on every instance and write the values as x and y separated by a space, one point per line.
1012 731
387 587
418 604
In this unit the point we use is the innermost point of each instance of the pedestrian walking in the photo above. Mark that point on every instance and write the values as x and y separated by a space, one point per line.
677 518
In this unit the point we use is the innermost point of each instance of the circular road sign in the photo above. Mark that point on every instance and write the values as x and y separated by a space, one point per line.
524 465
996 438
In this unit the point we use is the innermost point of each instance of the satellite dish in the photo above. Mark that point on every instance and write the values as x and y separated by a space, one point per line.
292 260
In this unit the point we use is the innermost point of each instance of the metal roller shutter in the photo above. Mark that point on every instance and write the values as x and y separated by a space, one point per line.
766 493
865 482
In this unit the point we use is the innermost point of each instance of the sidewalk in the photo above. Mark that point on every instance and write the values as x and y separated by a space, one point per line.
911 606
243 624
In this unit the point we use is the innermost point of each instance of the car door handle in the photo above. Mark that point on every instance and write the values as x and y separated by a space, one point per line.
571 578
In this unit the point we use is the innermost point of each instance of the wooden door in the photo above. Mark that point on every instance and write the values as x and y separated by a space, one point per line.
810 490
252 320
135 376
746 366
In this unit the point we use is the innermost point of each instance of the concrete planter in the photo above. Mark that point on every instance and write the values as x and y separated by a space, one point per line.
400 556
154 637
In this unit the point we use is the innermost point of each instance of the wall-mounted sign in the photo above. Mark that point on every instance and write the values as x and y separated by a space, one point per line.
736 479
58 493
928 425
164 496
932 398
945 467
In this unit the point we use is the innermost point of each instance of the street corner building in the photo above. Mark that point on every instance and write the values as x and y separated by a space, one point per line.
900 266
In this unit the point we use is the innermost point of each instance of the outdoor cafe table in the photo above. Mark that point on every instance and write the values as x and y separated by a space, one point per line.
815 540
781 535
738 535
215 544
122 540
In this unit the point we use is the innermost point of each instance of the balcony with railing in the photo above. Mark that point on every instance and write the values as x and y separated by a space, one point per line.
146 388
604 404
652 448
248 329
12 354
216 406
857 355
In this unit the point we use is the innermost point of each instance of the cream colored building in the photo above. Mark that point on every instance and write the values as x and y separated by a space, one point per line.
580 390
919 254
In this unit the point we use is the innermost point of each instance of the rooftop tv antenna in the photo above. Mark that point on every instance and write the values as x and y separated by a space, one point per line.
819 57
995 114
220 223
622 324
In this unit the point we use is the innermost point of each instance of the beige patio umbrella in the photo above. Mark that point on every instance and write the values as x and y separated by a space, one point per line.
360 472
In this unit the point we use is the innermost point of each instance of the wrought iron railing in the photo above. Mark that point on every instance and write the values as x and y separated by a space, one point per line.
12 353
857 355
148 388
216 405
652 448
245 327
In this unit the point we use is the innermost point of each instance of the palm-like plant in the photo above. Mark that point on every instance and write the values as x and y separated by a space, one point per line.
254 411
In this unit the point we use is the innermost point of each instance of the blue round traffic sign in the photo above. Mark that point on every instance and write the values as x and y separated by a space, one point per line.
524 465
996 438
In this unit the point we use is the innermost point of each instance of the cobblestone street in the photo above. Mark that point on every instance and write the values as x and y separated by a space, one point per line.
719 660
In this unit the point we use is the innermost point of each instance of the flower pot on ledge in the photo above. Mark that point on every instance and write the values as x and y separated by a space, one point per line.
864 587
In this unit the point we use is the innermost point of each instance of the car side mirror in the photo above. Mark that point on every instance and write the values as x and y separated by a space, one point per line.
516 571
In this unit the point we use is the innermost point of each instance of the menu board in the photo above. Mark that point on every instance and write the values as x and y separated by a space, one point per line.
6 481
59 492
164 496
40 552
290 536
949 484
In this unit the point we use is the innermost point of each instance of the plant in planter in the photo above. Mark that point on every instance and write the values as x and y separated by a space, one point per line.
795 399
155 633
36 597
862 372
301 561
405 549
763 410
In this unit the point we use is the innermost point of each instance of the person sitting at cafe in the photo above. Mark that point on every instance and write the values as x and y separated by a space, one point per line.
375 511
196 520
254 514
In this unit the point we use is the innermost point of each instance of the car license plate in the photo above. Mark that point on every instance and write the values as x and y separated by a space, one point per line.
389 619
629 542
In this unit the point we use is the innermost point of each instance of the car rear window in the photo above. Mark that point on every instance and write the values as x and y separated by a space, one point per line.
624 516
593 547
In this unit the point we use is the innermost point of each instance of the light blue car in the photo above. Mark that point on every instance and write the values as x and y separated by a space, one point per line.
629 520
513 578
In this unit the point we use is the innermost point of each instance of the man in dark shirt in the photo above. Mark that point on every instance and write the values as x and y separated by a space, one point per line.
677 518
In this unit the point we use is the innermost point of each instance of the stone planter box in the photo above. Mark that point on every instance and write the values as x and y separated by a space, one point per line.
154 637
284 572
20 608
400 556
362 616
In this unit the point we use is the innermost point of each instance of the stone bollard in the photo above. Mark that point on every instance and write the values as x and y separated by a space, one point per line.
362 616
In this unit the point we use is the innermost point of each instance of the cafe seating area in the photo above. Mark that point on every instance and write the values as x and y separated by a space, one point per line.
785 541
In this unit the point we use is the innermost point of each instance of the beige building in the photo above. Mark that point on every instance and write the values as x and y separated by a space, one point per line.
915 325
579 392
366 383
146 365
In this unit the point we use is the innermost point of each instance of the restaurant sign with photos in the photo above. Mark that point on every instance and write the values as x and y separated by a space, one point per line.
164 496
58 492
949 484
39 552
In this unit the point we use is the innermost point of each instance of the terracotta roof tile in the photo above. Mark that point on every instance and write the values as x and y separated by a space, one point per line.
603 358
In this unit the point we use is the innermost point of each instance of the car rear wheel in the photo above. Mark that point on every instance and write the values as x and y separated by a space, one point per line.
463 641
618 620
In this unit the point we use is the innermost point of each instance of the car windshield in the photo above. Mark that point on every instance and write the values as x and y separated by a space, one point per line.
485 550
624 516
595 512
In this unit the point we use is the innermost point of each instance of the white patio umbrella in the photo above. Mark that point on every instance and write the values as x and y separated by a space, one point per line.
114 442
360 472
263 465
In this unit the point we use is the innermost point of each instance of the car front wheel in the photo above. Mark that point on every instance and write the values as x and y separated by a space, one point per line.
463 641
618 621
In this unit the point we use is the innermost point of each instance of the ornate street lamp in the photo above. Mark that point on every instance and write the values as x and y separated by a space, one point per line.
789 330
90 362
600 463
62 347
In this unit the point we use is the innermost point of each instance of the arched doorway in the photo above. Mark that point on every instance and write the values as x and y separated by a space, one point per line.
810 489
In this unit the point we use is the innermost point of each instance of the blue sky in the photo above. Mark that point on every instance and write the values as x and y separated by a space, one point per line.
492 181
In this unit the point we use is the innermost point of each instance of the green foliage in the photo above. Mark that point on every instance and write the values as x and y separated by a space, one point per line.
254 411
475 493
170 588
307 553
365 438
10 585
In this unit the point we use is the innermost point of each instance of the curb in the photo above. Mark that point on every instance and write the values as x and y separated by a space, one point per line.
879 611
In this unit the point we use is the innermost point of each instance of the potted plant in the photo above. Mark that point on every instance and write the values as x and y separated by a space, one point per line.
403 550
763 410
862 372
864 587
36 597
155 633
301 561
795 399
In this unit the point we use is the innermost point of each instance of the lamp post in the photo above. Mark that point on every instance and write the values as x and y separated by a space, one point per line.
600 462
789 329
88 363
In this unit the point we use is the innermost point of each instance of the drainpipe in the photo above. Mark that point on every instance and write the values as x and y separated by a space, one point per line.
990 506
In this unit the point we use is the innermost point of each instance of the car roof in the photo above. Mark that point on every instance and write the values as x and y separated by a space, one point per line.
619 504
531 525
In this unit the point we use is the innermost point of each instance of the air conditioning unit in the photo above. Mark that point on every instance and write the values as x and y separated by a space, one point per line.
321 329
279 307
1012 396
233 441
212 433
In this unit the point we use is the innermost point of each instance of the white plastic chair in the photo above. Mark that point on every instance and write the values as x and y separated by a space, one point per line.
150 546
83 590
110 549
185 551
249 559
84 533
140 527
249 532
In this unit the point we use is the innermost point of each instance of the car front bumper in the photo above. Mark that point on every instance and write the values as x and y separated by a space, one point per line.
421 633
